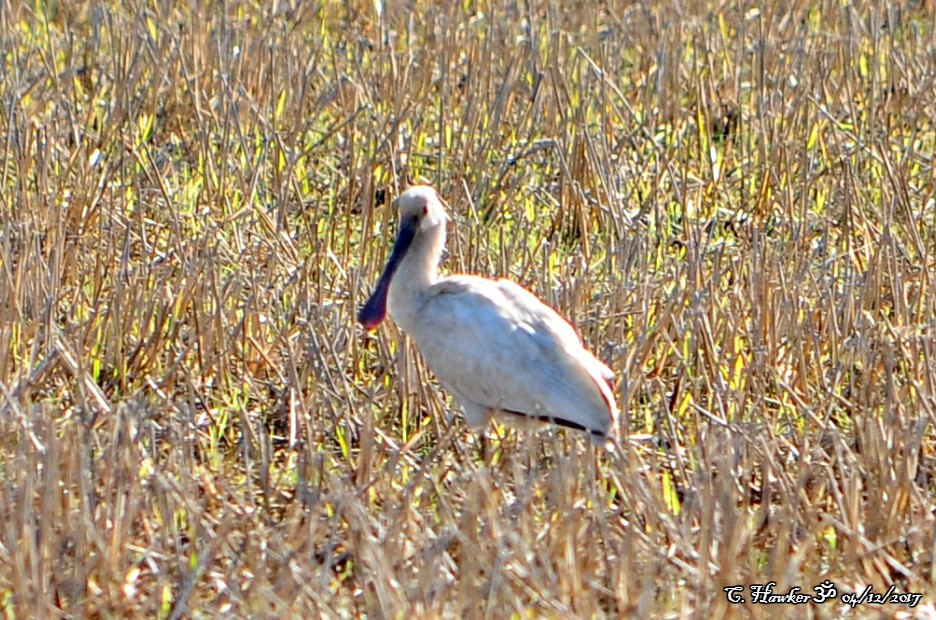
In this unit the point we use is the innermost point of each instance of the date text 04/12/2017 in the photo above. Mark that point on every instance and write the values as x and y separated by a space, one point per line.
763 594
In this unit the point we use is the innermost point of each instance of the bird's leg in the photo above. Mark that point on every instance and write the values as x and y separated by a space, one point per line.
476 416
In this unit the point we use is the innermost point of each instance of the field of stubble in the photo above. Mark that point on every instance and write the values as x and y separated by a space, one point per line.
733 203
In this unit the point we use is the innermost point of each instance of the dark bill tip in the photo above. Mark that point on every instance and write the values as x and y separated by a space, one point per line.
375 310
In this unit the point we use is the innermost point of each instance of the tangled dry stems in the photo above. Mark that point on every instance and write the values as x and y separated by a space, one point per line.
734 203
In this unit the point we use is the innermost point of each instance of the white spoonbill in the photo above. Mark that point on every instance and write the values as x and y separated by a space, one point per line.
491 343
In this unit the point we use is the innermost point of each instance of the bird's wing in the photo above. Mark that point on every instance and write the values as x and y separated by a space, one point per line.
496 345
551 322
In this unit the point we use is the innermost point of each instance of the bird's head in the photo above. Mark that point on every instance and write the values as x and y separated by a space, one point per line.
420 209
422 216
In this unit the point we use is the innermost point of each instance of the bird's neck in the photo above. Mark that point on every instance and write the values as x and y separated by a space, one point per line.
417 272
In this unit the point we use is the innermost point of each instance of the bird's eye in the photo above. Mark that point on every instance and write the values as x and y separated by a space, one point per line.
425 210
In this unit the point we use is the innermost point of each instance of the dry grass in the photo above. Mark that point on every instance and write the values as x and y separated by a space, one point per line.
735 205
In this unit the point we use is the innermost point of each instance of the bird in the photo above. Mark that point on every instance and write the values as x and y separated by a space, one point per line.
495 346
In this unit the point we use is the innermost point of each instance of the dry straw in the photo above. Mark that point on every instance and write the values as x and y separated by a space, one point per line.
734 204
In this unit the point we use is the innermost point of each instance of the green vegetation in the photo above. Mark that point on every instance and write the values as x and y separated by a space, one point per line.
734 203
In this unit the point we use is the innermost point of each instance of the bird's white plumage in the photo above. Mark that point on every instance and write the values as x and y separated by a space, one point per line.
509 352
494 345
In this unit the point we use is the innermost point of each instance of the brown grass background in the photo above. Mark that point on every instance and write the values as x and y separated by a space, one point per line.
732 201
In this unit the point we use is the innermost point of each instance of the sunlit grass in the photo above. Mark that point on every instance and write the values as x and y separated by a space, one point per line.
734 204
